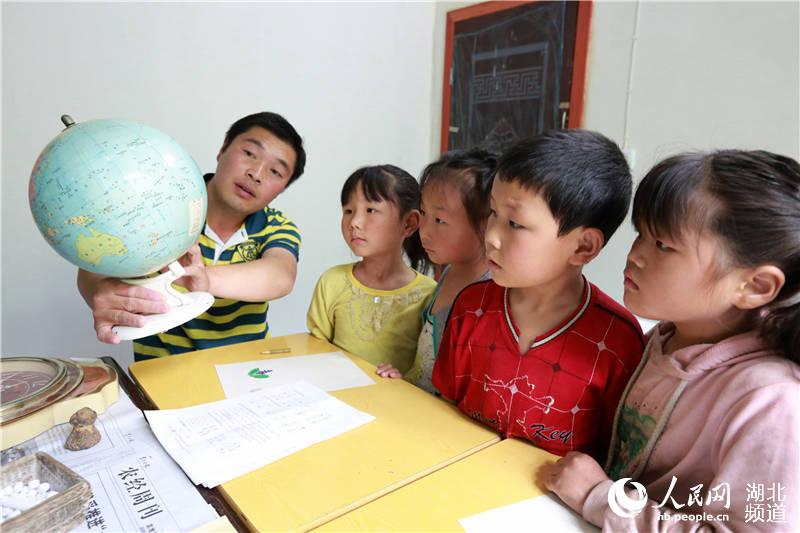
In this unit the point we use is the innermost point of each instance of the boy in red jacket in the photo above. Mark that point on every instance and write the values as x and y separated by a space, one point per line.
538 352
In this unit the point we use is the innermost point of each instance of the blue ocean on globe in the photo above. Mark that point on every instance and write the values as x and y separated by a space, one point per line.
117 198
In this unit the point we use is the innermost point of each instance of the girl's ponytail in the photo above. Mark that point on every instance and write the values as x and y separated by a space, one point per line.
417 256
780 322
759 219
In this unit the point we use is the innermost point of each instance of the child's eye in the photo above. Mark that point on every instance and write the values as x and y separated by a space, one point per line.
661 246
371 210
275 173
439 221
347 211
514 225
247 152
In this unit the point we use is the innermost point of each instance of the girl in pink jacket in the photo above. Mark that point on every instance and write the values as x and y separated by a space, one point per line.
707 434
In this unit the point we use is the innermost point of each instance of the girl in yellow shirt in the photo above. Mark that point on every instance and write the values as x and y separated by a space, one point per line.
372 308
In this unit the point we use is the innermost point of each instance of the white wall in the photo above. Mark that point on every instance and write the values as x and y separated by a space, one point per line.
702 75
354 79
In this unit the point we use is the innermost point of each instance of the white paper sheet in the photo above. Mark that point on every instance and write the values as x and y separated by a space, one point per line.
540 514
219 441
328 371
136 486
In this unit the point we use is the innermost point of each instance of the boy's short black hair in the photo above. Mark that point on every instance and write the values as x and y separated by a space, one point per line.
582 175
280 128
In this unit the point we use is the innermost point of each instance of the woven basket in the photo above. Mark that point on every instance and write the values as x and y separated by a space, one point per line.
60 513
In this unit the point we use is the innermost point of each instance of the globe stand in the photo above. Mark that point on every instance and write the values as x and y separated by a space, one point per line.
184 306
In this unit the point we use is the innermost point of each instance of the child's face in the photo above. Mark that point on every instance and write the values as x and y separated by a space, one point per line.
252 170
522 241
372 228
678 281
445 229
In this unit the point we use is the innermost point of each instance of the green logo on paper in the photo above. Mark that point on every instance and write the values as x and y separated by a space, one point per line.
259 374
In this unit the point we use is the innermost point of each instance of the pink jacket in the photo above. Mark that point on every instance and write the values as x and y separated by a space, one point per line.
727 413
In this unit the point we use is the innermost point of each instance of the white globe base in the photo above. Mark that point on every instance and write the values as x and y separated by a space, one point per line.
183 306
176 316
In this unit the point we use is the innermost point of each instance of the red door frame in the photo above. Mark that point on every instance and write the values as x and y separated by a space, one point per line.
578 64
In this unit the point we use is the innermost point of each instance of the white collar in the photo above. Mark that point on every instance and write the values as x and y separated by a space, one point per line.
238 237
560 330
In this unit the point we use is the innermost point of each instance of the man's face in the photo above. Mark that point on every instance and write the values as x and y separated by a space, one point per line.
252 170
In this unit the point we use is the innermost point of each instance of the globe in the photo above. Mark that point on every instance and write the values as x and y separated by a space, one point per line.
116 197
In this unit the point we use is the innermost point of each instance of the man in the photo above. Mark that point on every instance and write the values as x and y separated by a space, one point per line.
246 256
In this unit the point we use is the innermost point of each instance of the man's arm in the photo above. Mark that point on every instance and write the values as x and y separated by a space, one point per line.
114 302
265 279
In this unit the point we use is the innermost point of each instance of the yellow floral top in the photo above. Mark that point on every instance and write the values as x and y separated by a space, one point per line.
377 325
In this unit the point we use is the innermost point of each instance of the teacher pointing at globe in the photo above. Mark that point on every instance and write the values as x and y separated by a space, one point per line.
246 255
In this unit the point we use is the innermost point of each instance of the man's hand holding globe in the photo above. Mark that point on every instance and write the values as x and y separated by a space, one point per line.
196 277
118 303
120 199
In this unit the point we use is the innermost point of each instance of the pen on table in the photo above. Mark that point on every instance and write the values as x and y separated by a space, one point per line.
276 350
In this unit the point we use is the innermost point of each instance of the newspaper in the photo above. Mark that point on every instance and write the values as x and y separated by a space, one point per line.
136 486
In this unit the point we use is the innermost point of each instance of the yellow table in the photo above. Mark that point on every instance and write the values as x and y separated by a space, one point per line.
499 475
413 434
